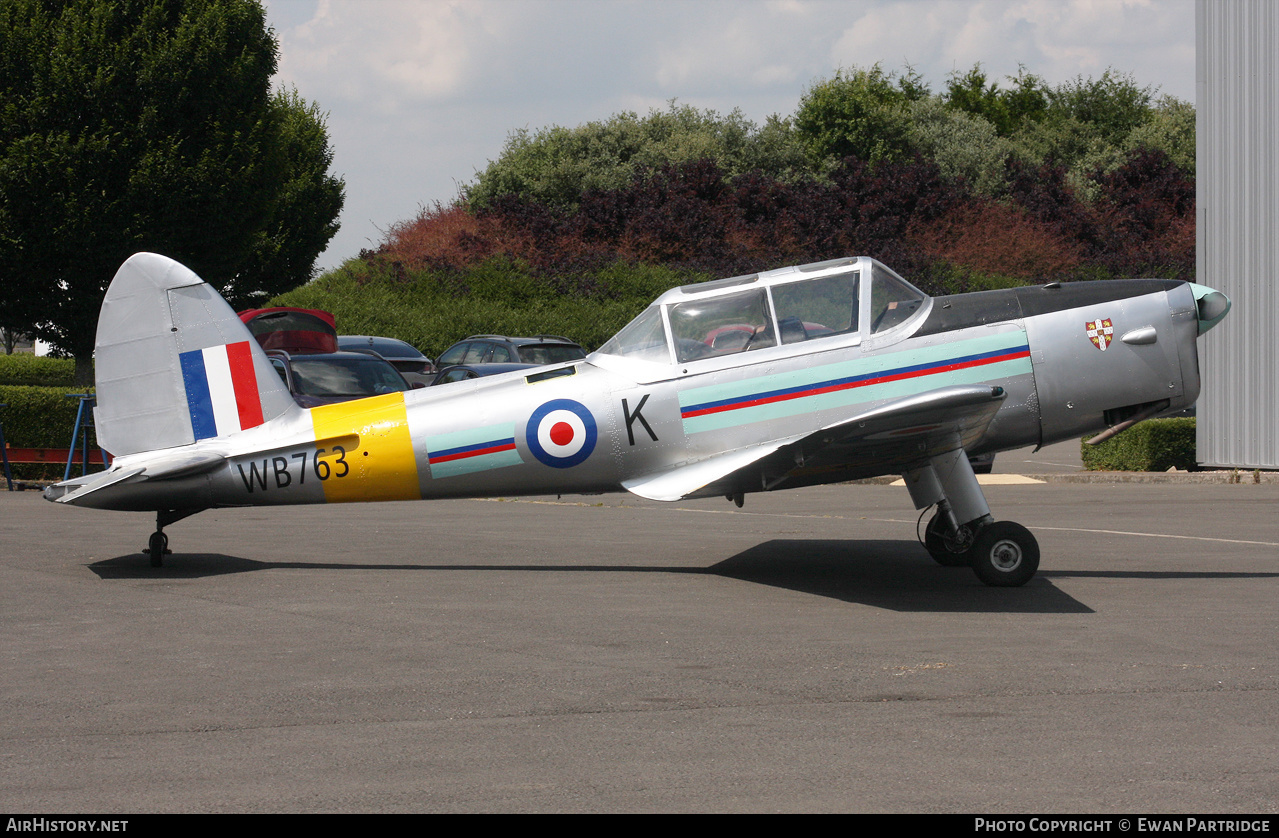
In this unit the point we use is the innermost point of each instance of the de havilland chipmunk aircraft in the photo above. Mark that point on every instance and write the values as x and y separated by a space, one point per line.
793 377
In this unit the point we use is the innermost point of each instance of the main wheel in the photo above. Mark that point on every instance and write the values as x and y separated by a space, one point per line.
157 547
947 549
1005 554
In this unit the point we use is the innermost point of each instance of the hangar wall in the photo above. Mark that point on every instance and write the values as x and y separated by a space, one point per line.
1237 228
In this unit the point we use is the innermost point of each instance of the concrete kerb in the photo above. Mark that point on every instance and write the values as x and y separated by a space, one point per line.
1248 476
1240 476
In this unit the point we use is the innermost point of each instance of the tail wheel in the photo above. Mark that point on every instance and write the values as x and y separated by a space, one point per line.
157 546
1005 555
948 549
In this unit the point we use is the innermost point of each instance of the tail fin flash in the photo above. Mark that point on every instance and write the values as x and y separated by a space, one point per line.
174 362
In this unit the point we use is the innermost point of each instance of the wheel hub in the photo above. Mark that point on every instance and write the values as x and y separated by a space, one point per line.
1006 555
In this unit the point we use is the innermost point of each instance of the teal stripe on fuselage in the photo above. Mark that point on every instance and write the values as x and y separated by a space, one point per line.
1011 342
465 439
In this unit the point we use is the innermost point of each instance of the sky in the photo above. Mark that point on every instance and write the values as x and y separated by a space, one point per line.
422 94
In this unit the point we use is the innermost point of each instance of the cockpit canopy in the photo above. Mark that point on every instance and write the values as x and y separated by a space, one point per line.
853 298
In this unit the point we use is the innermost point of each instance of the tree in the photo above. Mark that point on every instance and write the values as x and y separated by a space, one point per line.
1170 129
1090 126
962 145
556 165
304 211
1113 105
1007 110
859 113
130 125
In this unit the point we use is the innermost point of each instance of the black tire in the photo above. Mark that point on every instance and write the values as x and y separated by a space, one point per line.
157 547
1005 555
946 551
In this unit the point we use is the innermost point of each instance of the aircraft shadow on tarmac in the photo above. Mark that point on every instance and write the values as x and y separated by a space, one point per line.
896 575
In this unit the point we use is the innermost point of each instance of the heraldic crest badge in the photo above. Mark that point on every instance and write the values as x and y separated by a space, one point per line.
1100 332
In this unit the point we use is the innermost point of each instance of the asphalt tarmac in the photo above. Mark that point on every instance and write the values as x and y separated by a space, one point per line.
607 654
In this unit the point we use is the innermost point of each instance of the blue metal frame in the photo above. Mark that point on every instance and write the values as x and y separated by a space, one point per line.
4 455
83 423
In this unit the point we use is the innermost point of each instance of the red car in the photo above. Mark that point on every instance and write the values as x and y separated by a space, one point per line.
292 329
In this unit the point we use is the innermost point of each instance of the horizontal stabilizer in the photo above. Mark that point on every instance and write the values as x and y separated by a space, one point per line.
168 467
70 491
178 465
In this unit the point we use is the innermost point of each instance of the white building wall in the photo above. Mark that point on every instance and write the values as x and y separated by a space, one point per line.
1237 233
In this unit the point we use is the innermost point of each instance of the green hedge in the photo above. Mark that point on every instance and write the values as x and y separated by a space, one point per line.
38 417
32 371
1154 445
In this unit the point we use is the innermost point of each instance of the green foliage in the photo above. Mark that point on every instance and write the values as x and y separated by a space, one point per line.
943 277
1007 110
146 125
859 113
38 417
432 309
1112 105
1061 141
30 370
304 213
1091 125
1170 128
1155 445
962 145
556 165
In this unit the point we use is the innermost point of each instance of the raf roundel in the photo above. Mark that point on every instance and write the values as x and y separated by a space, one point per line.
561 433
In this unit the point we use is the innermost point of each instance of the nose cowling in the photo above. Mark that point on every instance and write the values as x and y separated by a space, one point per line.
1106 355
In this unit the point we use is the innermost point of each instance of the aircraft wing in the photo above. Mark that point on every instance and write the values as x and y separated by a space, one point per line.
889 439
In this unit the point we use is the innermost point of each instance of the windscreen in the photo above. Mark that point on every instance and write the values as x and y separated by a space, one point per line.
893 299
644 338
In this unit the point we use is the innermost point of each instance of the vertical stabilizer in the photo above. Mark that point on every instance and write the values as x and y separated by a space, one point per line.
174 363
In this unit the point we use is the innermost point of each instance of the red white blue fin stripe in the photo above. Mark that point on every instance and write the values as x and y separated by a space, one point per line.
222 389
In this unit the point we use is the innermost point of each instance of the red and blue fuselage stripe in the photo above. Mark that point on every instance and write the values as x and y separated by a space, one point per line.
463 452
854 381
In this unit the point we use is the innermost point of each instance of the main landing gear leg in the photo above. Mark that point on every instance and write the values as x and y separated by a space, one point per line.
962 532
158 545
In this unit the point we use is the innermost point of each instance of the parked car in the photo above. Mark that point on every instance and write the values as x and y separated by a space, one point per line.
292 329
465 372
405 357
325 378
497 349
